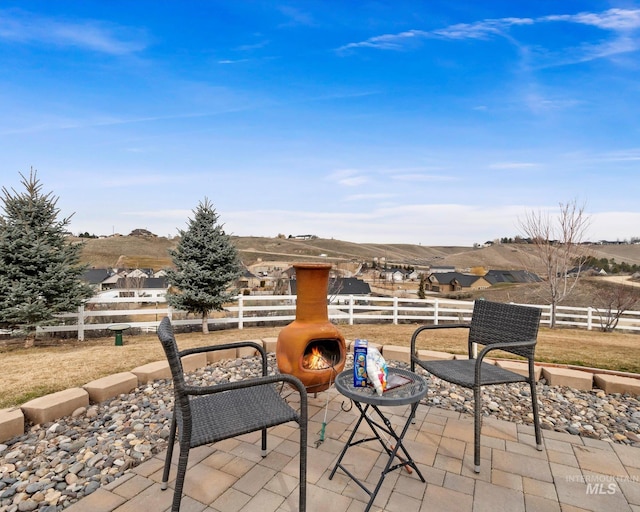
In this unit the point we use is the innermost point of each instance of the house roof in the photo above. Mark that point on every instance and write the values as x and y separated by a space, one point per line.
146 283
247 273
465 280
95 275
341 286
511 276
349 286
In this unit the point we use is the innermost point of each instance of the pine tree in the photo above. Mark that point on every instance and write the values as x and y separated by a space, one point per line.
206 263
40 272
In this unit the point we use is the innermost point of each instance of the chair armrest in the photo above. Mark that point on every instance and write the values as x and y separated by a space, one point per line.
224 346
258 381
499 346
416 333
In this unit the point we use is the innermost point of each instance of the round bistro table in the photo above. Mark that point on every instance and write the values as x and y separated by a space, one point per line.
366 398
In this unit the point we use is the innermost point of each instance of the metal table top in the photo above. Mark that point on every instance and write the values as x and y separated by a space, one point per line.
406 394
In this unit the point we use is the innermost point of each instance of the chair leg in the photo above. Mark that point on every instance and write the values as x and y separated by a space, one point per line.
182 471
477 426
303 468
264 442
536 416
167 461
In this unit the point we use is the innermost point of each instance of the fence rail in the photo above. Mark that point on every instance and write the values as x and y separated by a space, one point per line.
146 313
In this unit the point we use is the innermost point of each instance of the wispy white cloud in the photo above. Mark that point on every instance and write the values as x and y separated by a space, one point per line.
61 123
97 36
620 21
388 41
481 29
612 19
629 155
232 61
585 52
348 177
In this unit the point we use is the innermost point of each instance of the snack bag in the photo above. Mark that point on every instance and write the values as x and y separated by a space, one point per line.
376 370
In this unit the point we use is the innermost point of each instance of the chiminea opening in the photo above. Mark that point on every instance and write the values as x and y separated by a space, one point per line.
311 347
321 354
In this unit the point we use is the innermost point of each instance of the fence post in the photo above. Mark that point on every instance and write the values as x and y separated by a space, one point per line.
589 318
395 311
240 313
81 322
436 305
351 300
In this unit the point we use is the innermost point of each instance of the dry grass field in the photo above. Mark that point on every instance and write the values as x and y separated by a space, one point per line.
29 373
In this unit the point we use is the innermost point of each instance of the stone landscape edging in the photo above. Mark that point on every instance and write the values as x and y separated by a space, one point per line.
72 401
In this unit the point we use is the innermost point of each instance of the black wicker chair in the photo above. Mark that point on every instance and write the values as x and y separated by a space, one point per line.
496 326
206 414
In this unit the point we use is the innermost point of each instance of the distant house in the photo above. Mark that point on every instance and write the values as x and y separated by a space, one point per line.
413 275
511 276
394 275
249 281
444 282
133 284
587 271
139 272
95 277
340 286
349 286
142 287
303 237
435 269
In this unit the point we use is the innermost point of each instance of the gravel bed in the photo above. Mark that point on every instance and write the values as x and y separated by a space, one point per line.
54 465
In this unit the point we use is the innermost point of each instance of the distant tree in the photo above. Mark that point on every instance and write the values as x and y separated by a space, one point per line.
40 273
421 286
206 263
612 301
558 247
281 282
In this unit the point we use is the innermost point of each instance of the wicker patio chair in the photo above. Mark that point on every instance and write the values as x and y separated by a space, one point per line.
496 326
207 414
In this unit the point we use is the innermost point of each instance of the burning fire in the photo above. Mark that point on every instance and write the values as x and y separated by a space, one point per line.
315 360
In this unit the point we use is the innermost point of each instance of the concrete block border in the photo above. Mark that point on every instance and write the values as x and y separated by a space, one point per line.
113 385
54 406
11 423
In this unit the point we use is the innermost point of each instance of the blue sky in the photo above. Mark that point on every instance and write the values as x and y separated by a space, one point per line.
439 123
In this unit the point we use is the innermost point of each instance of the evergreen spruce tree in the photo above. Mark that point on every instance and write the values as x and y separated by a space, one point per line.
40 272
206 263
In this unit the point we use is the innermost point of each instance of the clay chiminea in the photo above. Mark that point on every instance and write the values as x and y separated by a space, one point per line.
311 347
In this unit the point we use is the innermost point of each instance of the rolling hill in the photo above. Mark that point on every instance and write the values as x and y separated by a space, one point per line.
152 252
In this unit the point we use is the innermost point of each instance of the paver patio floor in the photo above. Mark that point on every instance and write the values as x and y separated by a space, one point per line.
571 474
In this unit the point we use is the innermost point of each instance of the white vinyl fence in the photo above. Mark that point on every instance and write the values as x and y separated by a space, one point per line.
264 310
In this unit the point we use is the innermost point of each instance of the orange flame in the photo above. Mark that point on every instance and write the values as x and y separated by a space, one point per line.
315 360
